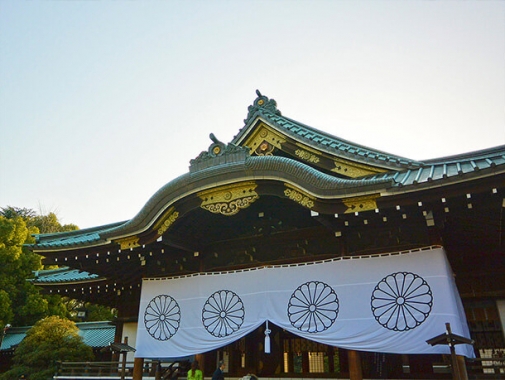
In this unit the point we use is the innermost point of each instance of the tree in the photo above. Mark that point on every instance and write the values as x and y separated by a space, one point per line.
49 224
16 265
45 224
94 312
50 340
21 303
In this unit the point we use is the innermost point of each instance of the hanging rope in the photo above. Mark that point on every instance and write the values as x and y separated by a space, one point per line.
267 339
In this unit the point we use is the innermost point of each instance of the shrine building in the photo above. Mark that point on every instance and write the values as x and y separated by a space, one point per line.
289 252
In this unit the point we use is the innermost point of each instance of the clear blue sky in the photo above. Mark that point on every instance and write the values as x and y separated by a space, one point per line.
103 102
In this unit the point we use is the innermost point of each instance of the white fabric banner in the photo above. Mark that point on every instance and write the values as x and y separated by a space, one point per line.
391 303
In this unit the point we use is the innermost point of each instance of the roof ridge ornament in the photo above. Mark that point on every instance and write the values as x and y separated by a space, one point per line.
218 153
262 102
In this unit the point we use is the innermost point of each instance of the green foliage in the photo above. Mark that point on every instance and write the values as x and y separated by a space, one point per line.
35 306
49 224
6 313
44 224
11 212
16 265
21 303
99 313
53 338
94 313
50 340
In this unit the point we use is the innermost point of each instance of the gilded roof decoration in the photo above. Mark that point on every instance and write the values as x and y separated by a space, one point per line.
261 102
360 204
264 135
251 162
218 153
229 200
129 242
353 170
299 196
167 220
307 156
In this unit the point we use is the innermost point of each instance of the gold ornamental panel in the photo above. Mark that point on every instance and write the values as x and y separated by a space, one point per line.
299 196
360 204
230 199
169 217
307 156
129 242
264 134
354 170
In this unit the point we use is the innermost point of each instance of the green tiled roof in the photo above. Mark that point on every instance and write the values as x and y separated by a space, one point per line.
450 168
403 171
13 337
400 175
97 334
73 238
94 334
266 109
62 275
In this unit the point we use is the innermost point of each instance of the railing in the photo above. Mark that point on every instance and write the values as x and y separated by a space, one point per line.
480 368
119 370
94 370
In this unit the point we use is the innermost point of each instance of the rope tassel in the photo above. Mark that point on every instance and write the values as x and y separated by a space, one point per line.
267 339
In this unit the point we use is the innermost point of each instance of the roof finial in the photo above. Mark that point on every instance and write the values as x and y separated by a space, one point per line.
262 103
214 139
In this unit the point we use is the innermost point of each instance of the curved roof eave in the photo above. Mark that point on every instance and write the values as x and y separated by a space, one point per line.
280 169
273 168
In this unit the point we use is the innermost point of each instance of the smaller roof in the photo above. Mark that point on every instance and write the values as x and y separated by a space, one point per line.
13 336
449 339
62 275
76 237
121 347
97 334
94 334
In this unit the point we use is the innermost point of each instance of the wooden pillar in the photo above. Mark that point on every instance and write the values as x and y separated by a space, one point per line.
201 362
355 372
463 375
123 363
157 373
138 368
305 362
331 361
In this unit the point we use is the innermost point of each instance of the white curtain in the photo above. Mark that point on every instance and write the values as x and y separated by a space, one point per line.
389 303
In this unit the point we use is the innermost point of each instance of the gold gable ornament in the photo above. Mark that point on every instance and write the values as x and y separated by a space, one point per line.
230 199
307 156
354 170
167 220
129 242
264 140
360 204
299 197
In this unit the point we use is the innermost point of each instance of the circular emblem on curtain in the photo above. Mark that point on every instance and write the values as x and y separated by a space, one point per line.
223 313
162 317
401 301
313 307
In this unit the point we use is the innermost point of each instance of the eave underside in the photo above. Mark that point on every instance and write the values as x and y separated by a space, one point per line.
468 220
